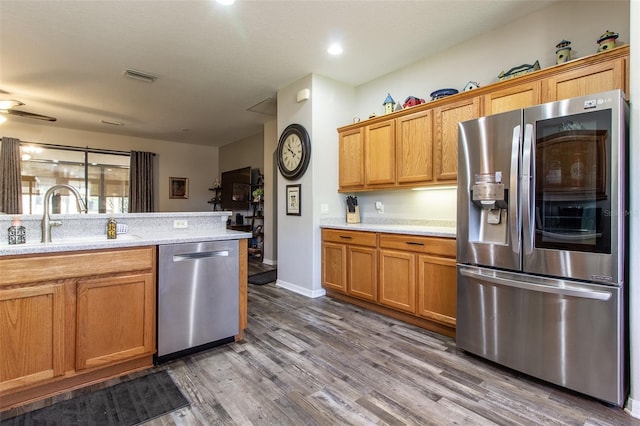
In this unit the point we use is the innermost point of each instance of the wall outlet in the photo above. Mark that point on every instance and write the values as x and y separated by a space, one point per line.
380 207
324 208
180 223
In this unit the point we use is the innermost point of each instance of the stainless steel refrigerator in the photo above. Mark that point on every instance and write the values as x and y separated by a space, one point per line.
542 240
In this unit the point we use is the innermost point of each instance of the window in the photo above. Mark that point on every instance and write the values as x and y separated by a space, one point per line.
102 177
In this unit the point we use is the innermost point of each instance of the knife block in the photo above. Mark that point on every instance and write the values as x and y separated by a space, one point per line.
353 217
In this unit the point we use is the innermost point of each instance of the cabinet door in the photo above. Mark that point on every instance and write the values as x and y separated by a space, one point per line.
115 319
414 147
398 280
380 153
334 266
585 81
363 271
31 335
437 289
351 159
515 97
447 119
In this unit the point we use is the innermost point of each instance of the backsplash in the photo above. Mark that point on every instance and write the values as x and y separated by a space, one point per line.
83 225
408 205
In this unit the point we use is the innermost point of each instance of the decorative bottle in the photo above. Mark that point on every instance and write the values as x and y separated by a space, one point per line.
112 225
17 232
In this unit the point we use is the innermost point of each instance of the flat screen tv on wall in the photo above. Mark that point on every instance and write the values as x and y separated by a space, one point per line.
236 189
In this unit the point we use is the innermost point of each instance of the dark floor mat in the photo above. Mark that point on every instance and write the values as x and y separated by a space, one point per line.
128 403
264 277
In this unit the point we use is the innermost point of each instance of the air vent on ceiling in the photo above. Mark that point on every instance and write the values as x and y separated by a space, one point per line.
139 75
267 106
112 123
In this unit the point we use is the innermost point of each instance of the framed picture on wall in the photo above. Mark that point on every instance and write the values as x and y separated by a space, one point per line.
179 187
293 200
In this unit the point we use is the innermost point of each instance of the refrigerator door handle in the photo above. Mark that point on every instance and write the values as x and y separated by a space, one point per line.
527 190
514 213
494 278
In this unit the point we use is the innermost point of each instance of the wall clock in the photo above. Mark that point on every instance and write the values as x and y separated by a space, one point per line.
294 151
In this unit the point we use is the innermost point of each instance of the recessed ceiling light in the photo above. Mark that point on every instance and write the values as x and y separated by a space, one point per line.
226 2
335 49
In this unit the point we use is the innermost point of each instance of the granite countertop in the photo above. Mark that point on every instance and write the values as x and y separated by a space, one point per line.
123 240
424 228
87 232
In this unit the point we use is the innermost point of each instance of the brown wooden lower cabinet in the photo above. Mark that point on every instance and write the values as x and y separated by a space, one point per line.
437 289
409 277
349 263
31 317
362 272
91 318
115 318
398 280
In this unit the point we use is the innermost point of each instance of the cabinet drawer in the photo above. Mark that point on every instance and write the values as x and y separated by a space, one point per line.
431 245
29 269
359 238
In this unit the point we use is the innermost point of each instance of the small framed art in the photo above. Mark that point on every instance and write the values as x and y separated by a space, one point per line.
293 200
178 187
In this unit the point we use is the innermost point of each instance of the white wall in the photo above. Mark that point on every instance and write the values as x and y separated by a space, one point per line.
295 233
332 102
247 152
197 163
299 236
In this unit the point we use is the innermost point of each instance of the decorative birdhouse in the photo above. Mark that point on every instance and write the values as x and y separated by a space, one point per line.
388 104
563 51
470 86
607 41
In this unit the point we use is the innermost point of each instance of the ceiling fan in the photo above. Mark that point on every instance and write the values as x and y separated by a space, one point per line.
7 107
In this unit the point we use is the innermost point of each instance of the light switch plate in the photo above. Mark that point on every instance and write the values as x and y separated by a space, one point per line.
180 223
324 208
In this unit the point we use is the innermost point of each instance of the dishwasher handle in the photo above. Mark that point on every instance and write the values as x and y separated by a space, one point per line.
200 255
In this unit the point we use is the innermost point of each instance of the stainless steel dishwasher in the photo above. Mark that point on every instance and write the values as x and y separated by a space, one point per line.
198 296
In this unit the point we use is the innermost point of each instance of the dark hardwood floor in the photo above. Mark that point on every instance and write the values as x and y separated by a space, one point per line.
256 267
323 362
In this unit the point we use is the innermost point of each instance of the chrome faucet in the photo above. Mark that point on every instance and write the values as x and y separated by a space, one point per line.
47 223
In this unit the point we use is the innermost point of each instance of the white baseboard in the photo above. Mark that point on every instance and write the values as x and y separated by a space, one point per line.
300 290
633 408
270 262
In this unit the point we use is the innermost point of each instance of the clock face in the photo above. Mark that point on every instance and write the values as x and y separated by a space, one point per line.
294 151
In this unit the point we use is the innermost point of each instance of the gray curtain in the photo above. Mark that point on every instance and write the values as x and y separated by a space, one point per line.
10 182
141 191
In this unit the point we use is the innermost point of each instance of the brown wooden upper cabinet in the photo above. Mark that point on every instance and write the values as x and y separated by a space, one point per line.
418 146
351 159
380 153
582 81
447 118
414 148
513 97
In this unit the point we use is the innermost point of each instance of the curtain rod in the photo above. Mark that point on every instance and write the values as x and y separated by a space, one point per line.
77 148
